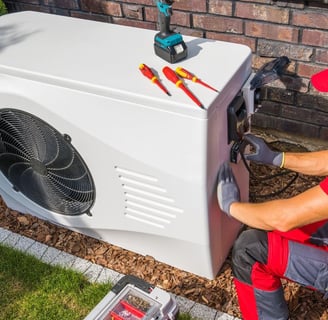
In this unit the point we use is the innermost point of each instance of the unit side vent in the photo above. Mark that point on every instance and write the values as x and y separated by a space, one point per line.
146 200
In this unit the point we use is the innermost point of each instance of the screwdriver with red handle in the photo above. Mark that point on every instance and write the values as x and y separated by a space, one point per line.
147 72
172 76
183 73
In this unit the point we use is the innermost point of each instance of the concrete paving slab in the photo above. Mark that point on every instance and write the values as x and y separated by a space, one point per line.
64 260
93 272
50 255
224 316
108 275
24 243
4 234
81 265
185 305
11 240
37 249
201 312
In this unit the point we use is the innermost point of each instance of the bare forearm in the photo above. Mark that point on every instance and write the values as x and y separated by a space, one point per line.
311 163
257 215
284 214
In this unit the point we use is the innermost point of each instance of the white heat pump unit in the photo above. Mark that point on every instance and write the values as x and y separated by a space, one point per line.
89 143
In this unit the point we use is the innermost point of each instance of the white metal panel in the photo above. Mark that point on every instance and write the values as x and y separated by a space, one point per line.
154 158
105 58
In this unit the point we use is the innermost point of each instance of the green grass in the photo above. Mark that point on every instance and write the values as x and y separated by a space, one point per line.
33 290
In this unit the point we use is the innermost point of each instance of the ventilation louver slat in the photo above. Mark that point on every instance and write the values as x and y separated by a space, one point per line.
146 200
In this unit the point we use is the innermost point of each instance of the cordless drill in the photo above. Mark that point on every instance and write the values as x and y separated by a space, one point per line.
168 45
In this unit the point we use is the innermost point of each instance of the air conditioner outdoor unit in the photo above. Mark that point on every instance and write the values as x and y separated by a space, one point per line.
87 142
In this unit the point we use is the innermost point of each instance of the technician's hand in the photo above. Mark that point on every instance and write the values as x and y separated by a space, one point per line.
263 154
227 190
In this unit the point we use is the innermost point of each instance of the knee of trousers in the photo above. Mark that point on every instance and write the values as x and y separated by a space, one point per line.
249 248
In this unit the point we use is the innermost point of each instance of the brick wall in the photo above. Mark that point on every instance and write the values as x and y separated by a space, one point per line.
297 29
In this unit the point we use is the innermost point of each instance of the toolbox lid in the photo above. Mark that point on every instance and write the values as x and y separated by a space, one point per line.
104 59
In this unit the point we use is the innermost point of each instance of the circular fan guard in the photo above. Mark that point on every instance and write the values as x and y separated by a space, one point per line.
43 165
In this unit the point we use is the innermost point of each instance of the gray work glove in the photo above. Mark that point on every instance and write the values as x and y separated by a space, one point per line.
227 190
263 154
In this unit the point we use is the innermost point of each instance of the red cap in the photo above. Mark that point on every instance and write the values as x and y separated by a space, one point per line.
320 80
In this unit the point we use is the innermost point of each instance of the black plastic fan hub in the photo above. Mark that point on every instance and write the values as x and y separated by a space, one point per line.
38 167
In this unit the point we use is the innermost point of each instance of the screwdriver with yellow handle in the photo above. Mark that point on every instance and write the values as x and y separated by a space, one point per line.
183 73
147 72
172 76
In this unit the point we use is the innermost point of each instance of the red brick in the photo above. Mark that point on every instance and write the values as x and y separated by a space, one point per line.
190 32
290 4
133 11
262 12
321 56
285 125
259 1
307 70
304 115
178 17
315 38
318 20
280 95
215 23
190 5
220 7
100 6
313 99
271 31
151 14
258 62
140 2
32 7
228 37
67 4
181 18
276 49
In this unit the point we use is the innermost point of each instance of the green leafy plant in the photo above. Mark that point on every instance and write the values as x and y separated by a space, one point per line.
3 8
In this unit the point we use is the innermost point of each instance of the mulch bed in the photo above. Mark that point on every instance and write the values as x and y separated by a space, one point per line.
218 293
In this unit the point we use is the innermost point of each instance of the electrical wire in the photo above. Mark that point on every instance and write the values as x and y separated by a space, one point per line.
269 177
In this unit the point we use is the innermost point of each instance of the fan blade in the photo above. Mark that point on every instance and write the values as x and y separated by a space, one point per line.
75 170
10 144
15 172
7 160
14 131
78 190
51 196
43 141
37 188
63 155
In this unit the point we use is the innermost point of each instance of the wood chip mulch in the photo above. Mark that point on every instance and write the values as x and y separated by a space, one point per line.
218 293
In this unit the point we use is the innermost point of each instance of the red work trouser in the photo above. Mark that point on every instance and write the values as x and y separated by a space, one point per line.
260 259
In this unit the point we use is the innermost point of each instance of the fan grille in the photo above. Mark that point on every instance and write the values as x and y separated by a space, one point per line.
43 165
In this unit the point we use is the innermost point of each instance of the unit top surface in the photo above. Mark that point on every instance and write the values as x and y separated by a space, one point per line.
104 58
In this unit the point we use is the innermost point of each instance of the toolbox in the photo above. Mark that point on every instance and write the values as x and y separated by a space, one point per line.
135 299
